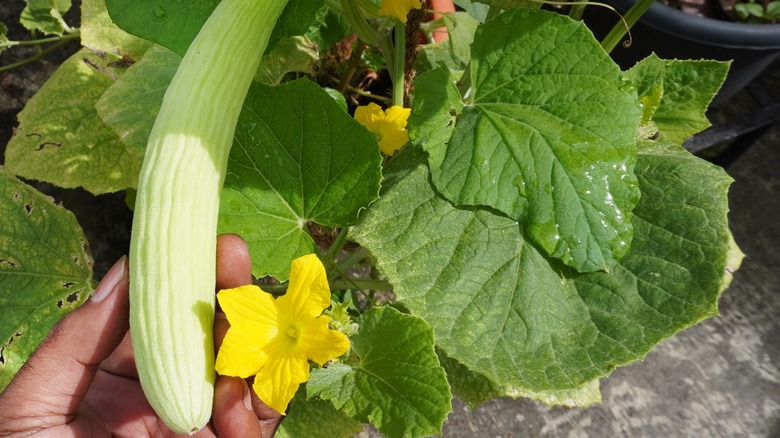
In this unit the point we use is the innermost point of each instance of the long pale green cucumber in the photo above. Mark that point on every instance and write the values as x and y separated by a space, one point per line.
173 242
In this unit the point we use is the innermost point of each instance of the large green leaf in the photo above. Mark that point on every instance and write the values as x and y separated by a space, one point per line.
316 418
130 106
45 16
675 94
398 384
297 157
292 55
505 310
475 389
454 52
174 24
99 33
62 140
547 137
45 270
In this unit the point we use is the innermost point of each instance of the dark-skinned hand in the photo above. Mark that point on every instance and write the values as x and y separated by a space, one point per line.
82 380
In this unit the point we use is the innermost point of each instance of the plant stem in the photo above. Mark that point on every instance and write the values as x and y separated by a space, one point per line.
337 245
38 56
358 255
354 62
575 13
627 21
397 73
357 21
67 37
351 89
360 284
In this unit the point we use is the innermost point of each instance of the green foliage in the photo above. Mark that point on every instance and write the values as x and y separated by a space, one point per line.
100 34
397 383
754 11
452 53
674 94
297 157
316 418
175 24
45 270
45 16
532 147
543 227
62 140
475 389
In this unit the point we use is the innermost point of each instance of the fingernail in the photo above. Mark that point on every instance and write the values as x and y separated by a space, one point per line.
116 275
247 396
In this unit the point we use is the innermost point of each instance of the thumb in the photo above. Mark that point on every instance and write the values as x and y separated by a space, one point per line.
52 384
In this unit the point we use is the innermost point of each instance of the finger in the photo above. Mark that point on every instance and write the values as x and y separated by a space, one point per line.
122 361
234 267
268 417
233 413
221 326
55 379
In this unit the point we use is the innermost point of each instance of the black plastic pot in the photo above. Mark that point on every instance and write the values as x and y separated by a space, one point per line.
673 34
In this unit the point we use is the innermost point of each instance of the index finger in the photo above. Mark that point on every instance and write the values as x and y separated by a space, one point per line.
234 268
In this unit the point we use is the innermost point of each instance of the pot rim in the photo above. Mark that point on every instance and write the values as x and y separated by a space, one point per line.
707 30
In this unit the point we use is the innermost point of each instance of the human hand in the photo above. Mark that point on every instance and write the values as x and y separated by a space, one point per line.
82 380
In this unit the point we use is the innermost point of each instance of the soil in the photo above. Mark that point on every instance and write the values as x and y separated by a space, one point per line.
106 219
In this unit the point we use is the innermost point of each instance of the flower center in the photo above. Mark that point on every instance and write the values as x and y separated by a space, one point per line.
292 332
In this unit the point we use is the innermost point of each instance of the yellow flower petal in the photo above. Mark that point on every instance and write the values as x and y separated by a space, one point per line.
321 344
252 314
278 380
248 304
398 8
392 141
274 339
239 355
398 115
308 293
389 126
369 115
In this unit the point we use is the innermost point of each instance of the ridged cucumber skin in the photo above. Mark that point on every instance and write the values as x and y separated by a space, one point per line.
173 240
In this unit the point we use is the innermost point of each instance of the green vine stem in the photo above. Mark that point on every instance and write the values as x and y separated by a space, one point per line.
42 54
337 245
397 73
360 284
620 29
577 9
354 62
358 23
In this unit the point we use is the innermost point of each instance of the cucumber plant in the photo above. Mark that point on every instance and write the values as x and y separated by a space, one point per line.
542 226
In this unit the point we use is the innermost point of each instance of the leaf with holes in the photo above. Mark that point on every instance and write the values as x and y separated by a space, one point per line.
62 140
45 270
297 157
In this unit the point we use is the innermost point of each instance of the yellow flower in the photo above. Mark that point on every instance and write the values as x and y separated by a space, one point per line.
273 339
389 126
398 8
